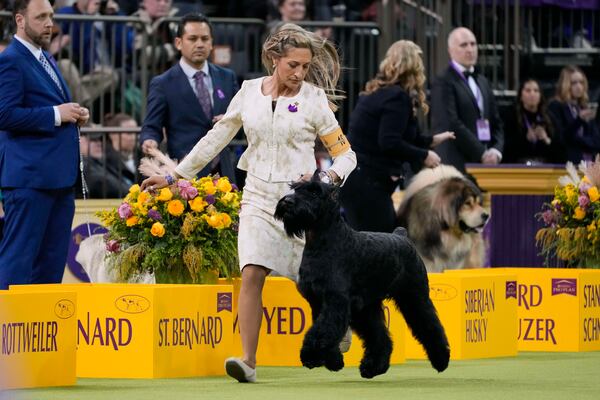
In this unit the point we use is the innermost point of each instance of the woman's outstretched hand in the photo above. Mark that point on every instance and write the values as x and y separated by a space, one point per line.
441 138
155 182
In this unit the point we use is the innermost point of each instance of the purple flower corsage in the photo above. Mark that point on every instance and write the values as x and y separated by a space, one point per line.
293 107
220 94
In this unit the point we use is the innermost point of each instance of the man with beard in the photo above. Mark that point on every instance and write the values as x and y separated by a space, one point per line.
190 97
39 152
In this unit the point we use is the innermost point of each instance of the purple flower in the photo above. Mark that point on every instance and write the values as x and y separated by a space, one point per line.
188 193
548 217
220 94
113 246
210 199
584 188
125 211
155 215
584 201
293 107
234 186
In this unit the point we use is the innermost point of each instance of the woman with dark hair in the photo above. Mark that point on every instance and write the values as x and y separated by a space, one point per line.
385 135
530 135
574 116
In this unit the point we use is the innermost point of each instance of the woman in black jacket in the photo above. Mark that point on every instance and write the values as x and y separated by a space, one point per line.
384 134
574 116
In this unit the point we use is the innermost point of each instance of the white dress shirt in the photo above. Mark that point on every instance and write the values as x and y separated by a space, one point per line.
190 71
472 84
37 52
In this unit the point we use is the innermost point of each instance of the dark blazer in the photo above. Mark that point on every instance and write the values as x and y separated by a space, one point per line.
173 105
384 132
33 152
568 126
454 108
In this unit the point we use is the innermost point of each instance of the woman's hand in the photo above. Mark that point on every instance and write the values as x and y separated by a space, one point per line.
441 138
432 160
542 135
154 182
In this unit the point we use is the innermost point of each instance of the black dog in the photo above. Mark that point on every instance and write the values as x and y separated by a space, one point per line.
345 275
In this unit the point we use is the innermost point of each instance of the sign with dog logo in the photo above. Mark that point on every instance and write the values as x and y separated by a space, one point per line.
37 330
287 317
150 331
558 309
479 314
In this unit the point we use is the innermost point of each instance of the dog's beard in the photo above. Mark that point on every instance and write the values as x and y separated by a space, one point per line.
292 223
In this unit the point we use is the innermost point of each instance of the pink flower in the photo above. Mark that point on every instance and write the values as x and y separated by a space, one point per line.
584 201
113 246
548 217
125 211
583 188
188 192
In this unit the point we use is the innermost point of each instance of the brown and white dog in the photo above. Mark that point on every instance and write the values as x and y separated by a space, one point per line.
443 214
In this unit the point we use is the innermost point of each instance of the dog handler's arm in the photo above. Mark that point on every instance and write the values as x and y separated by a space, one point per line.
334 140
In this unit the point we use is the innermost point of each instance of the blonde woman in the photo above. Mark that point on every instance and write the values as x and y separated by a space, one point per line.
384 134
574 116
282 114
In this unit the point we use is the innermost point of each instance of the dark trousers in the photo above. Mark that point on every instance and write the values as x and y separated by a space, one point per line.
37 230
367 202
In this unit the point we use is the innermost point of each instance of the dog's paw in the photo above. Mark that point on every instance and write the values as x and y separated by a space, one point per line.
334 360
370 367
311 358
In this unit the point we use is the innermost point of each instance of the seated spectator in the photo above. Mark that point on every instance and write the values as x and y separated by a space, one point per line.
530 133
124 144
295 11
160 48
574 116
87 65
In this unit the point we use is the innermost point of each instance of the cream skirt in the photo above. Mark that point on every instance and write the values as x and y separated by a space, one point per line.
262 239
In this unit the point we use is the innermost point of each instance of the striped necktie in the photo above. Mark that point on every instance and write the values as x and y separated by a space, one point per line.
50 72
203 94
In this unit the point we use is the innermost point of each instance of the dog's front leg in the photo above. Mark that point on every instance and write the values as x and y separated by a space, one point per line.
321 342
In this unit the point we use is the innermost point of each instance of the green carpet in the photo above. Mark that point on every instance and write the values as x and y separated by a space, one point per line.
565 376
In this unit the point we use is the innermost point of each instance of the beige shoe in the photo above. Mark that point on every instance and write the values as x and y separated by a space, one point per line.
346 341
239 370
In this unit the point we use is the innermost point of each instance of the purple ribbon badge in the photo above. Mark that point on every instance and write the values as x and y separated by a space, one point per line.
564 286
293 107
220 94
511 289
224 301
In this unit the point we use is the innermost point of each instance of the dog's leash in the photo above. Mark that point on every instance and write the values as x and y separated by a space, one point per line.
84 186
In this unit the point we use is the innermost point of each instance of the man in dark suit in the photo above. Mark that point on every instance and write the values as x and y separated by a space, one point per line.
190 97
39 152
462 101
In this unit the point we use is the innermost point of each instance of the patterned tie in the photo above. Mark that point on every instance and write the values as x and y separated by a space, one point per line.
203 95
51 72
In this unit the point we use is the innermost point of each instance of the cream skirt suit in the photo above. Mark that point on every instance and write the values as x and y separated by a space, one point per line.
280 150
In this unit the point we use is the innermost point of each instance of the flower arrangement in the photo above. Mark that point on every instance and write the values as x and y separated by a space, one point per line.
185 233
572 220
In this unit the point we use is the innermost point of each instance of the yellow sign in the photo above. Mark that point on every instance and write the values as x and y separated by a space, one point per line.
558 309
151 331
478 313
287 317
37 335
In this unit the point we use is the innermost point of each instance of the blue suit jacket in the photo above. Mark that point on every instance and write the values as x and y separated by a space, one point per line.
33 152
173 105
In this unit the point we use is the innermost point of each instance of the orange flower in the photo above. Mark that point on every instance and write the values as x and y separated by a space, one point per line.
223 185
226 219
593 193
157 229
131 221
208 187
175 208
579 213
197 204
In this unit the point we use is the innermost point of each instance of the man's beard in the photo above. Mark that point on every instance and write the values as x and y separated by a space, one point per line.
37 38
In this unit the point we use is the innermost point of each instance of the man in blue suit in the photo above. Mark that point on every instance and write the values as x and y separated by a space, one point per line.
39 152
190 97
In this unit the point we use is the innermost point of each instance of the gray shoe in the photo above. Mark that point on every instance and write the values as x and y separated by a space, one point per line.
239 370
346 341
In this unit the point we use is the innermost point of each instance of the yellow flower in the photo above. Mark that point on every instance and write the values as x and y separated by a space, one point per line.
164 195
226 219
223 185
214 220
571 193
229 198
579 213
585 179
197 204
591 227
555 202
131 221
175 208
157 229
143 198
134 189
209 187
593 193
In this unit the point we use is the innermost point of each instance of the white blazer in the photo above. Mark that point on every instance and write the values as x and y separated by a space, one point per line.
280 142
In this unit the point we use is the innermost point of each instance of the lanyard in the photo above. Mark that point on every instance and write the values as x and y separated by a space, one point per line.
477 95
526 120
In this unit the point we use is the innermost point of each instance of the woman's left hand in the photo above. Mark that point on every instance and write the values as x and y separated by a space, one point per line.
441 138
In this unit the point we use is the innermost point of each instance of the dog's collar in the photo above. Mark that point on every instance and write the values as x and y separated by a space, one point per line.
466 228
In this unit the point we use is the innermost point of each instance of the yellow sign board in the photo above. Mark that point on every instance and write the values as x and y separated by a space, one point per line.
151 331
479 314
287 317
558 309
37 335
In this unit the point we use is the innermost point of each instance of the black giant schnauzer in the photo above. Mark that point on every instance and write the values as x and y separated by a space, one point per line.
345 275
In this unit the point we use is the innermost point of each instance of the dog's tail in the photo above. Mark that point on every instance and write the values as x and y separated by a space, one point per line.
412 298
